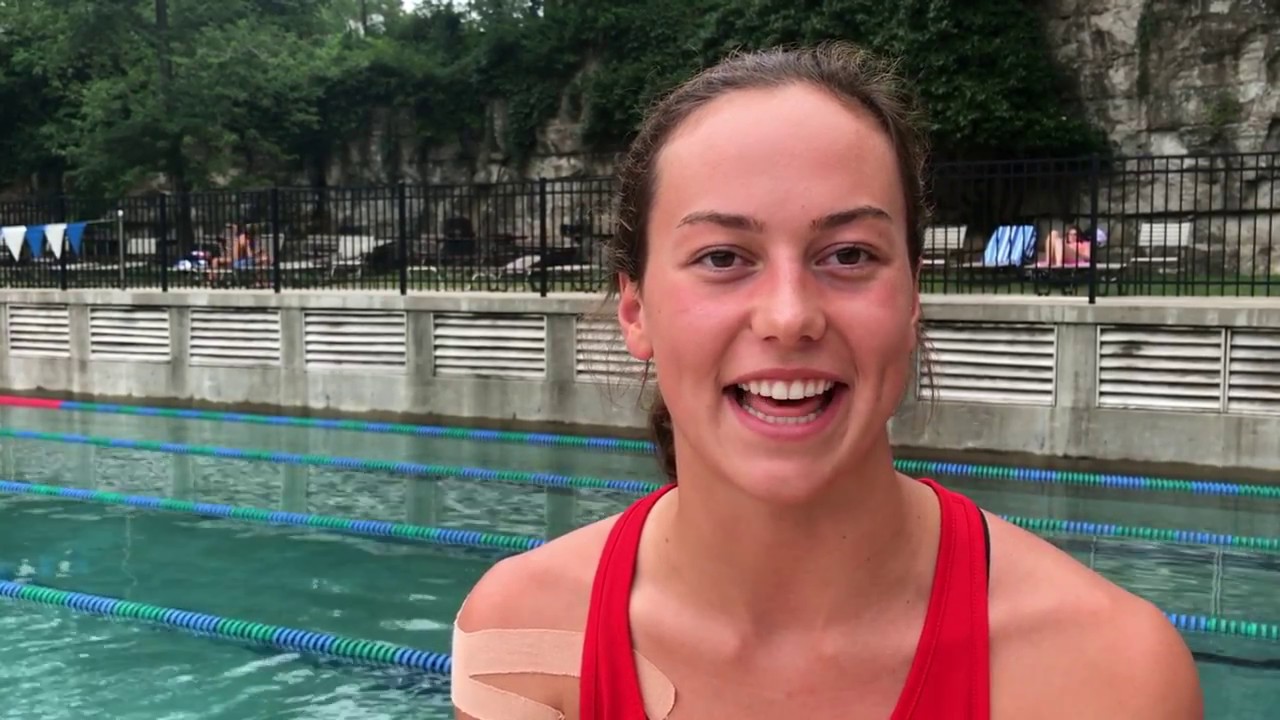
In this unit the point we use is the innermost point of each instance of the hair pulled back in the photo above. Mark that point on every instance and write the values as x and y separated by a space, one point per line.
849 73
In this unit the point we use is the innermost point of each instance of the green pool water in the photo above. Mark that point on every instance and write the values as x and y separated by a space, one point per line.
60 664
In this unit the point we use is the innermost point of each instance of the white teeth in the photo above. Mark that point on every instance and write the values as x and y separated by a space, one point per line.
784 390
775 420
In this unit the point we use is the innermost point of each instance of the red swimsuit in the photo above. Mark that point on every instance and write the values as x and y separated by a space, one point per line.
949 677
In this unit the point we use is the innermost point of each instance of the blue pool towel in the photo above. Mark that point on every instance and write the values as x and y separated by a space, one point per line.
1010 246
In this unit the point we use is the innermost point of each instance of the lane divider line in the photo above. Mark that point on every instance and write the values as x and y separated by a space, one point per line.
645 447
274 636
640 487
327 523
605 444
388 654
521 543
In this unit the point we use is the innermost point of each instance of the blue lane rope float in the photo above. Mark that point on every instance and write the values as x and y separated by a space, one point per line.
384 653
349 526
521 543
581 482
519 477
644 447
274 636
1080 528
1102 480
602 444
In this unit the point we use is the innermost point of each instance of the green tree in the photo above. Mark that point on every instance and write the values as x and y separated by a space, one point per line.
106 96
981 68
197 91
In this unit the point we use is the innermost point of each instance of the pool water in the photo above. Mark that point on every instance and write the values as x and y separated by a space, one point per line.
57 664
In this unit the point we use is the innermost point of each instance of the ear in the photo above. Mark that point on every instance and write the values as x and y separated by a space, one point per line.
631 319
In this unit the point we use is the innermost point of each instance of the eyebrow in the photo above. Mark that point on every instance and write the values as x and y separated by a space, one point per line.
845 217
734 221
730 221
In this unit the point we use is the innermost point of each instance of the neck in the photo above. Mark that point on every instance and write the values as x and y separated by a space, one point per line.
769 570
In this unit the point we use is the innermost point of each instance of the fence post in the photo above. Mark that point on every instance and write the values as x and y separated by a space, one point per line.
162 235
1095 167
402 249
163 242
62 255
120 247
275 239
542 236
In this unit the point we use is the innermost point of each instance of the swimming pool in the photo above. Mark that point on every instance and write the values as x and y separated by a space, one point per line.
61 663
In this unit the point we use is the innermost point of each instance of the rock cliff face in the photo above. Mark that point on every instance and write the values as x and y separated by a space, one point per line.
1162 77
1167 77
1171 77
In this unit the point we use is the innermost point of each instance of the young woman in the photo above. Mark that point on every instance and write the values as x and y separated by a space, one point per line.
766 258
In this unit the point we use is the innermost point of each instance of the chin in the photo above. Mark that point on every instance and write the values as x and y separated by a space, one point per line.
793 486
789 476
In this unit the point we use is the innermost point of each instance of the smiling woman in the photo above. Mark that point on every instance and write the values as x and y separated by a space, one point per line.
766 258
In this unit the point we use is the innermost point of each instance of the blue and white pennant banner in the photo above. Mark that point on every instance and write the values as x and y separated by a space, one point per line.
36 236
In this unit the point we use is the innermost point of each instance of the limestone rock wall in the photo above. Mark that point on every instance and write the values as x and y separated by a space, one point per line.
1168 77
1162 77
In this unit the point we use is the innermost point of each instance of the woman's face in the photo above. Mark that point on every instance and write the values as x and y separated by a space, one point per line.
779 303
1073 236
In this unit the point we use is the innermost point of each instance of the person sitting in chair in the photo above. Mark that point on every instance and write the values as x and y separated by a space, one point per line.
1071 251
242 253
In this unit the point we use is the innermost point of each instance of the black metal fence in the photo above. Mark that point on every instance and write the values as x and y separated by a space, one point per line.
1186 225
1177 225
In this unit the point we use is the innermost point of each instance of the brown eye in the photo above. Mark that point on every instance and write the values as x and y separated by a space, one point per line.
849 256
720 259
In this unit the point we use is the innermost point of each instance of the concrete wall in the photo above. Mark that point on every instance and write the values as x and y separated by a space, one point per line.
1183 382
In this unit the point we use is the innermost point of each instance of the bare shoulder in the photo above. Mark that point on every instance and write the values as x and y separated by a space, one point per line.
1068 642
548 587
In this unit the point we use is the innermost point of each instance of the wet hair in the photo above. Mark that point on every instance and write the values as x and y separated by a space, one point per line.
848 73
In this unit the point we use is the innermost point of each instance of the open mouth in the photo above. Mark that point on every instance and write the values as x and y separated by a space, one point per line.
785 402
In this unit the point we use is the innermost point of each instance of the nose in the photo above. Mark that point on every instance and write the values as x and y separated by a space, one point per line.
787 307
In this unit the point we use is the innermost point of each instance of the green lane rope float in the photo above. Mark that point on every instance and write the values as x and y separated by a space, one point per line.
1052 526
1222 626
519 477
606 444
644 447
521 543
388 654
273 636
640 487
1067 477
372 528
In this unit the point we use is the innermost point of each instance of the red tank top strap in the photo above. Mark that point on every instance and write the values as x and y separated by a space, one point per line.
951 673
609 683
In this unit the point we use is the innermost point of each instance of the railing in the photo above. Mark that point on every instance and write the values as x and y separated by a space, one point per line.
1178 225
1185 225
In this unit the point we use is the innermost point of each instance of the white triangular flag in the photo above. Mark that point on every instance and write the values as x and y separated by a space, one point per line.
53 235
13 237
